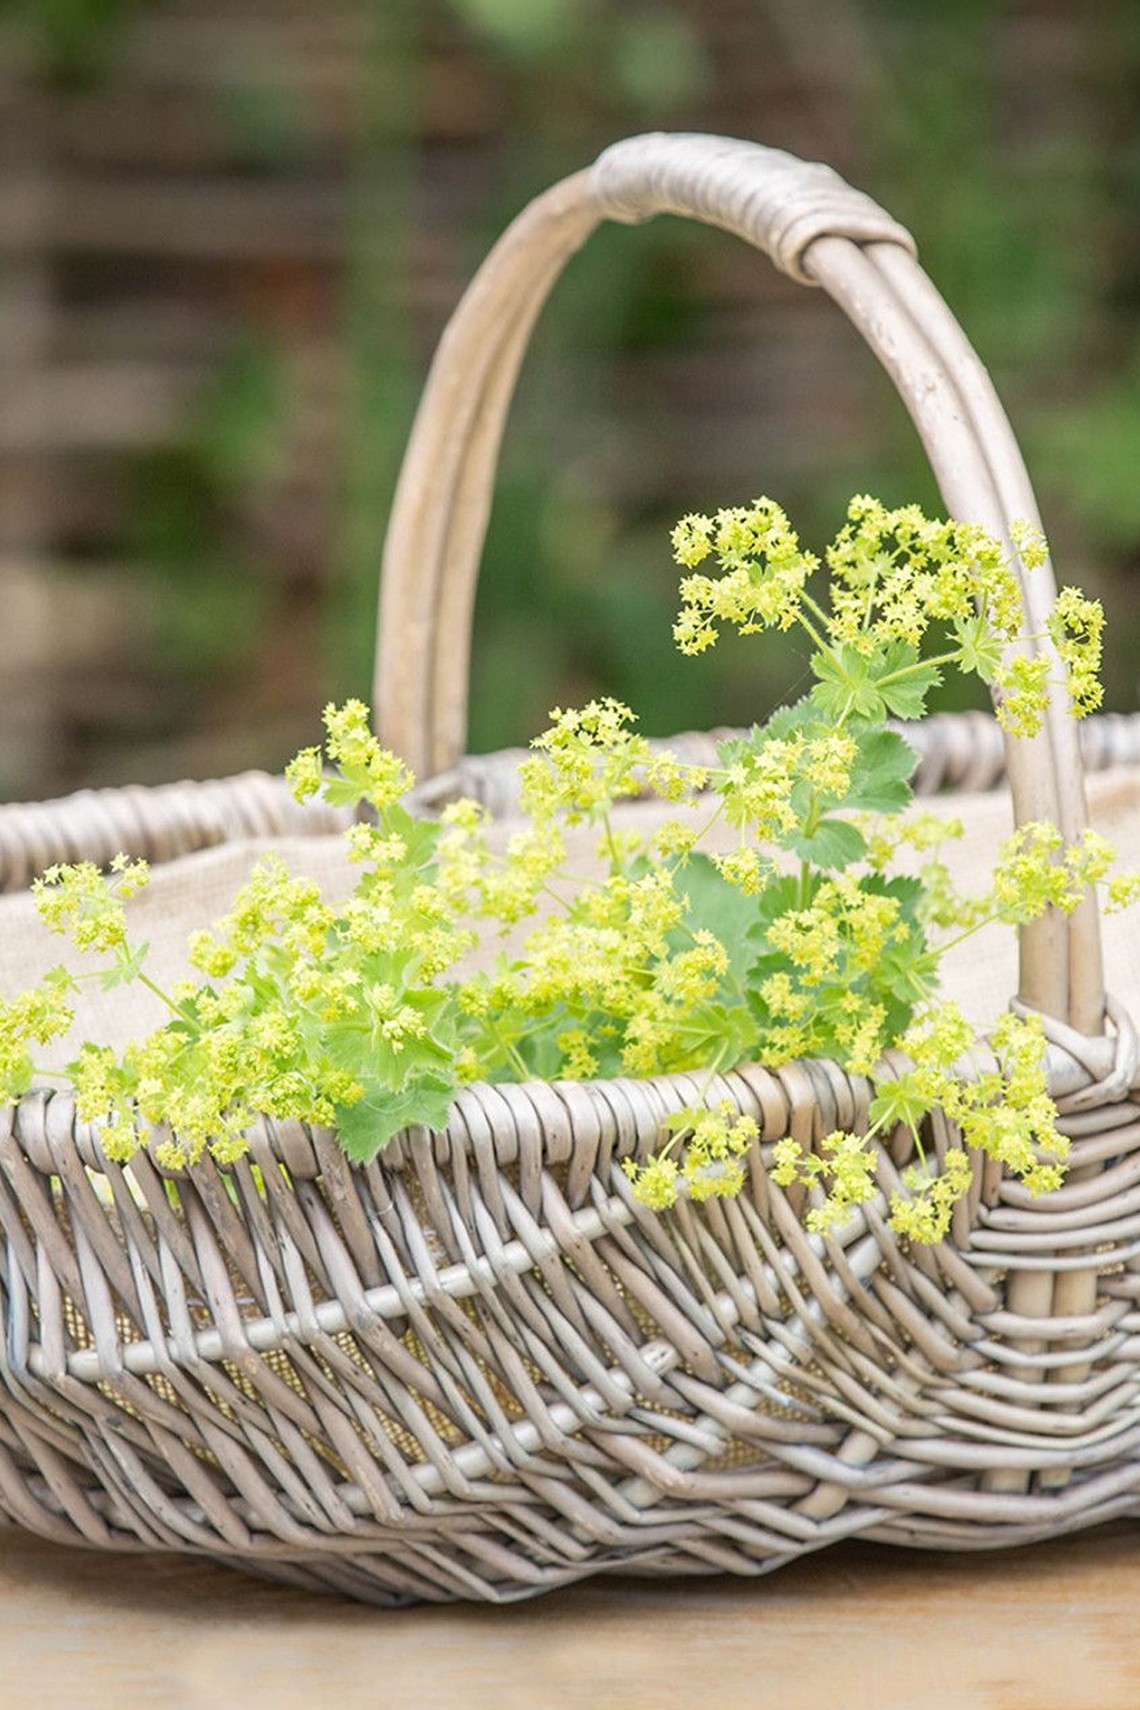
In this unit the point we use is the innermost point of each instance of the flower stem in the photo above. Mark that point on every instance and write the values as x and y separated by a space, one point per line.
176 1008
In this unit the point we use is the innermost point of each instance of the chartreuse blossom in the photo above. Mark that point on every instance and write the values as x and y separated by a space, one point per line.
1005 1112
79 901
804 937
715 1141
33 1018
844 1164
1076 625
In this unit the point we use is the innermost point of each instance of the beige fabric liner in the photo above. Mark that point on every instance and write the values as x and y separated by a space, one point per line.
197 889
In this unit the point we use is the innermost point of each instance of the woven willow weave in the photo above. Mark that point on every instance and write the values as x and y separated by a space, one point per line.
476 1367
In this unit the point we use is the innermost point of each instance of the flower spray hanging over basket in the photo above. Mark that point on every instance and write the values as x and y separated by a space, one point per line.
585 1313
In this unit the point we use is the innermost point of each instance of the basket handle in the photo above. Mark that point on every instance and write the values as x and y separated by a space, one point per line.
819 230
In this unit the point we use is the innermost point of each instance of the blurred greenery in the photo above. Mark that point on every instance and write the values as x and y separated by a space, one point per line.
381 359
1019 184
76 39
212 599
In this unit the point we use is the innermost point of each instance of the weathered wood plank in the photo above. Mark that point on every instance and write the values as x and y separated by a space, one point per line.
857 1627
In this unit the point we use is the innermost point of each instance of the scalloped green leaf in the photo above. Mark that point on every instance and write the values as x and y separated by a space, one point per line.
880 776
833 844
367 1125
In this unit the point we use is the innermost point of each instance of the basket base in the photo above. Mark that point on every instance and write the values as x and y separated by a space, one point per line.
429 1568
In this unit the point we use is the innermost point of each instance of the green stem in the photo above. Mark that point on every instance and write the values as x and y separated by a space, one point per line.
178 1009
817 611
611 845
709 823
913 670
714 1070
513 1055
679 860
812 631
967 932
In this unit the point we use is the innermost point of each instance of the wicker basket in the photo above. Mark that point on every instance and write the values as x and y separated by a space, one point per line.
476 1368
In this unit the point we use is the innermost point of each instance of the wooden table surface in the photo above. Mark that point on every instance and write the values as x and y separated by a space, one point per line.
1053 1626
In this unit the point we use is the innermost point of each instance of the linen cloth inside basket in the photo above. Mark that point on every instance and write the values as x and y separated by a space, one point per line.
197 889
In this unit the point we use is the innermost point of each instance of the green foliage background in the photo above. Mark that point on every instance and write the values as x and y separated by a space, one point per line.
1005 135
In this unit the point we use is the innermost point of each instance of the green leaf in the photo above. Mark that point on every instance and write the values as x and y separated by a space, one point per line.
776 899
342 792
742 748
981 648
731 1036
898 1102
800 718
60 979
364 1127
127 967
908 890
719 908
420 836
880 776
846 685
833 844
907 969
906 697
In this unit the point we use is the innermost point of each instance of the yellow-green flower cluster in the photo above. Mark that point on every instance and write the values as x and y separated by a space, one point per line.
896 572
1076 625
271 906
590 758
827 763
757 788
1036 870
306 1011
714 1142
366 772
843 920
85 904
885 836
923 1213
306 773
102 1095
826 995
33 1017
246 1043
844 1167
894 575
612 969
1008 1113
355 752
763 573
504 888
674 837
744 869
1122 890
1005 1112
940 902
208 1088
1022 693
